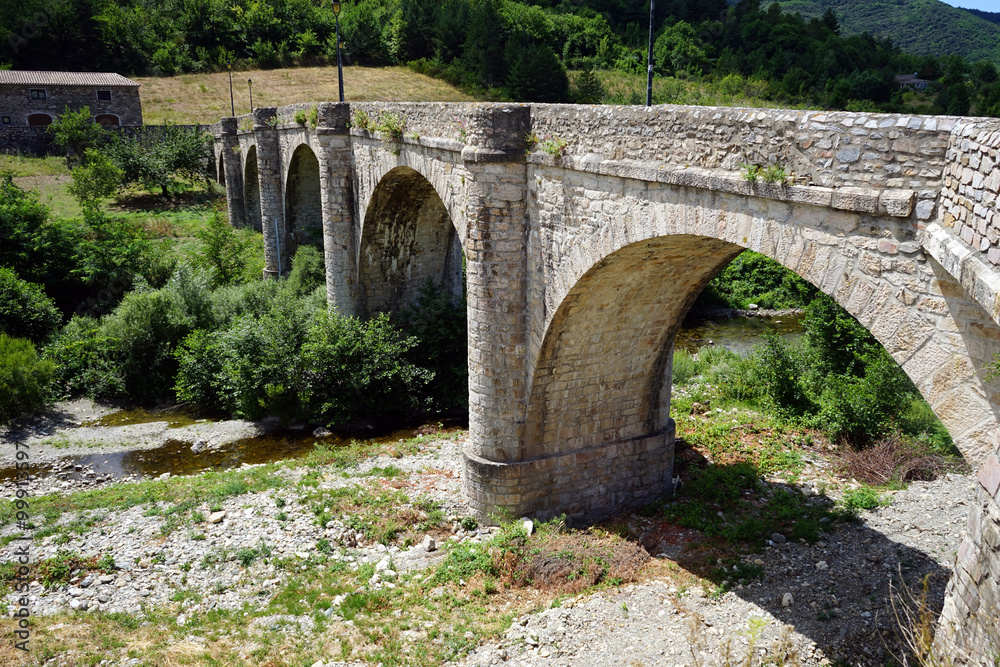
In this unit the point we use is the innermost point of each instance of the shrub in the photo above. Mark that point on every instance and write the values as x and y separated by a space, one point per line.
96 179
25 311
74 132
777 374
354 368
129 354
232 255
24 378
308 271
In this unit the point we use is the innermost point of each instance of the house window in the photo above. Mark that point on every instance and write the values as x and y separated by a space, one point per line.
104 95
5 120
37 94
39 120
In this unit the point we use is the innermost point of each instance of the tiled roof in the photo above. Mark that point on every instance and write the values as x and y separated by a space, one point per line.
29 78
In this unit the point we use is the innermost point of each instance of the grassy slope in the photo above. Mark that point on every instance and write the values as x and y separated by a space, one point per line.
204 98
916 26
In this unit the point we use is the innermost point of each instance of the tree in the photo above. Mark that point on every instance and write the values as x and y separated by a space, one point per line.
537 76
25 311
96 179
679 48
158 159
588 87
74 132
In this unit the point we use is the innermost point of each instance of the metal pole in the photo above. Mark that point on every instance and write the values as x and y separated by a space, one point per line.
232 101
250 86
277 244
340 68
649 58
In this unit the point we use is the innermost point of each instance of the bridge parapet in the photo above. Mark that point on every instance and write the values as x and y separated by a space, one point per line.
830 149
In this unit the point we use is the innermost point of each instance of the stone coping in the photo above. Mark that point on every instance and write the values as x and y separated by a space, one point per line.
897 203
977 276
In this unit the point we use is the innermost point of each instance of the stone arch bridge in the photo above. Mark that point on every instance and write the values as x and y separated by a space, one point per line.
588 232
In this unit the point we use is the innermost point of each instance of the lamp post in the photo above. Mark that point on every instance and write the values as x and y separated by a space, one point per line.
649 58
232 101
340 68
250 86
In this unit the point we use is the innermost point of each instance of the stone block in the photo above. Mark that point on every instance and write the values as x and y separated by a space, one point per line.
989 475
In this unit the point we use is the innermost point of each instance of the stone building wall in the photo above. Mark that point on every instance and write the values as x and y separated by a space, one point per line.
16 102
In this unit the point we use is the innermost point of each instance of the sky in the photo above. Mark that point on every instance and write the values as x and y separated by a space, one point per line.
985 5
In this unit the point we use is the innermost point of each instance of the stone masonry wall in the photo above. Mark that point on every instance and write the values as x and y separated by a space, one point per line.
822 148
16 102
971 187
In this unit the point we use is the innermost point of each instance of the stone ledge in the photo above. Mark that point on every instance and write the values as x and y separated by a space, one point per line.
967 266
893 203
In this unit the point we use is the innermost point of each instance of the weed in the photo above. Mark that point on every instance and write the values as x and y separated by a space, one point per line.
751 172
862 498
313 116
774 174
301 117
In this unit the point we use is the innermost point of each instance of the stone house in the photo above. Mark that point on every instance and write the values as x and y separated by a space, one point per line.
34 99
911 82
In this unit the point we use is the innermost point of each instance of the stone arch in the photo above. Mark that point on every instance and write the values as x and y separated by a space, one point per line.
108 120
39 120
604 368
303 204
938 334
407 238
251 190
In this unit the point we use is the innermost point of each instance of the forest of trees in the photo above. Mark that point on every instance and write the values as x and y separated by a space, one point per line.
501 48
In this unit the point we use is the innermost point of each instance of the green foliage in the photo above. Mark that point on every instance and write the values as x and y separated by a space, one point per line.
754 278
861 498
589 89
438 324
96 179
233 256
308 271
159 158
129 354
24 379
113 252
25 311
536 75
75 131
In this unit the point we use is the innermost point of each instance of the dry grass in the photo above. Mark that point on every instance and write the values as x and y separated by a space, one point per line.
204 98
894 459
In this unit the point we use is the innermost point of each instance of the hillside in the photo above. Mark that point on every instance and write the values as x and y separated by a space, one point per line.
922 27
204 98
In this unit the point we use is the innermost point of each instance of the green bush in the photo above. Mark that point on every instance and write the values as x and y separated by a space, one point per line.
754 278
536 75
25 311
354 368
308 271
74 132
233 256
24 379
128 355
96 179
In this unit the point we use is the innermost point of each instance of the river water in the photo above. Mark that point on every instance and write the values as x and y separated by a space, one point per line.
738 334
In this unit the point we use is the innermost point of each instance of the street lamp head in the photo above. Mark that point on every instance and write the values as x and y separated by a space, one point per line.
336 6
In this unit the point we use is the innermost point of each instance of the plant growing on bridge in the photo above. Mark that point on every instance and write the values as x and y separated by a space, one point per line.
301 117
548 143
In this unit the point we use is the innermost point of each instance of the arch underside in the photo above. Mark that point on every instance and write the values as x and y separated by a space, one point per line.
407 240
251 190
636 262
604 372
303 202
